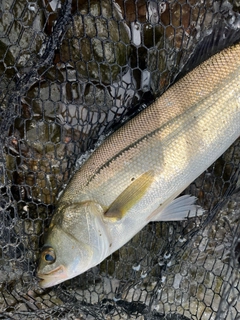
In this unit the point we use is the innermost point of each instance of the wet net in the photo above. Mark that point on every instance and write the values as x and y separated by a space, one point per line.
71 72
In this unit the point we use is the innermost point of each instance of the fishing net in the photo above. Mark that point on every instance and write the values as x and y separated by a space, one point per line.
71 72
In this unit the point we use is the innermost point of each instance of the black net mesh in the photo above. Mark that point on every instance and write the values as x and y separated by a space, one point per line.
72 71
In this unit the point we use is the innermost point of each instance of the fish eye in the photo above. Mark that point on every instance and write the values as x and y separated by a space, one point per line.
48 255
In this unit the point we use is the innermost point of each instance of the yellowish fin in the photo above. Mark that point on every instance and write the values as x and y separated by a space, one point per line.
130 196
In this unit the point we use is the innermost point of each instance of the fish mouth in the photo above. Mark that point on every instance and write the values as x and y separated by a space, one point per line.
53 277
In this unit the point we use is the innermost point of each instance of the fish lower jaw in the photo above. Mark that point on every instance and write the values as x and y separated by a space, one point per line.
53 277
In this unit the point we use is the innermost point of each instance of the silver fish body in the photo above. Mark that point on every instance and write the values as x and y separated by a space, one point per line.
135 175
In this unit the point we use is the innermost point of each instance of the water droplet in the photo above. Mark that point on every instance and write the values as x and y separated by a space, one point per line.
167 255
136 268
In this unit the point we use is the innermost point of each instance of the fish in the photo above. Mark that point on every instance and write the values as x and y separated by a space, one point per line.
136 175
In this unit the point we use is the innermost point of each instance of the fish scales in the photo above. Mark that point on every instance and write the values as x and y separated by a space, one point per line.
199 89
134 176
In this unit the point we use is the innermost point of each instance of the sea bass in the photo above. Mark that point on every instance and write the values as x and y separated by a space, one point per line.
137 172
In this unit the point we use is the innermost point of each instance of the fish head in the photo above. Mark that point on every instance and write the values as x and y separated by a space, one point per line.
69 249
62 258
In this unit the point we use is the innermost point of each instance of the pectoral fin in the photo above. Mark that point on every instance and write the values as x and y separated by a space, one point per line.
130 196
